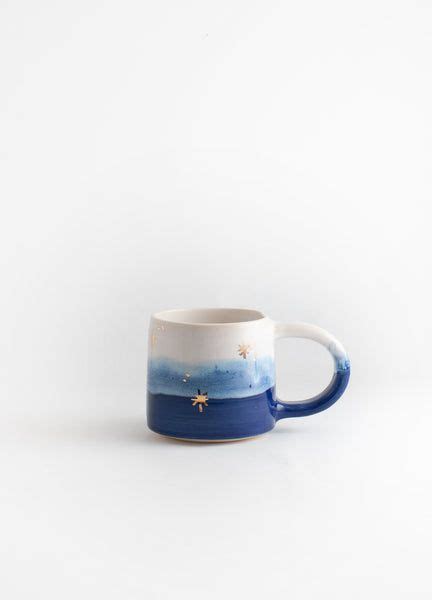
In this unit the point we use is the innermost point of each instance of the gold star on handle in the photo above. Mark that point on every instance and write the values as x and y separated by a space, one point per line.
201 400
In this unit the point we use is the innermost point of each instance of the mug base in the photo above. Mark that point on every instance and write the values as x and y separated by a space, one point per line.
221 441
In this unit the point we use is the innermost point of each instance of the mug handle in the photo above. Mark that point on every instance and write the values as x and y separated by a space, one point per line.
337 385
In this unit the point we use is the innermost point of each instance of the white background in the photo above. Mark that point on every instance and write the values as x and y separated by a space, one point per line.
274 155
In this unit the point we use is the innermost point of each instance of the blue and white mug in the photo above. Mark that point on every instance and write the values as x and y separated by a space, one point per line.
211 373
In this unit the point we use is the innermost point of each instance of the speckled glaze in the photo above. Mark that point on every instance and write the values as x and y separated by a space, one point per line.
211 374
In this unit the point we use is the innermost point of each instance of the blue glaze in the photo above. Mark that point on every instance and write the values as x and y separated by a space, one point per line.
235 378
233 418
223 418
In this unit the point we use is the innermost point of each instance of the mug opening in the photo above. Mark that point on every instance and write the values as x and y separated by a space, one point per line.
210 316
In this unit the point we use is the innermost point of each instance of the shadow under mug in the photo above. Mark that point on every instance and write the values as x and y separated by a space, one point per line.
211 373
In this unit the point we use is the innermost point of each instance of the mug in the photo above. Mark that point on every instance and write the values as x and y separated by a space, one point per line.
211 374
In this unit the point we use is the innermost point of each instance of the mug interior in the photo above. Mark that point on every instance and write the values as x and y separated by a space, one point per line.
210 316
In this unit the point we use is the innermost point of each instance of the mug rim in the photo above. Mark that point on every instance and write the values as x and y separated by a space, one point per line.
216 316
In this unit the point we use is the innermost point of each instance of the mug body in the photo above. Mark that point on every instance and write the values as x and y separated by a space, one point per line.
211 374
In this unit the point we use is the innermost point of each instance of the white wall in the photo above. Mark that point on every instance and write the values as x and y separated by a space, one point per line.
164 154
273 155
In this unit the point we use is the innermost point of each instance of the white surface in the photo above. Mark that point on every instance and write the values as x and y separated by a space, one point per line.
270 155
331 507
191 342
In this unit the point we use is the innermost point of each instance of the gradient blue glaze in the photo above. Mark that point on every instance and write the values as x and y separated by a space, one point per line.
343 364
236 378
233 418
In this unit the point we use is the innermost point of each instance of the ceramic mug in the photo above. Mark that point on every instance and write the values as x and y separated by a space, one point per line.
211 373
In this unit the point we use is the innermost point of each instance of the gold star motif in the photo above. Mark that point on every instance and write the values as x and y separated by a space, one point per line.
201 400
244 350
